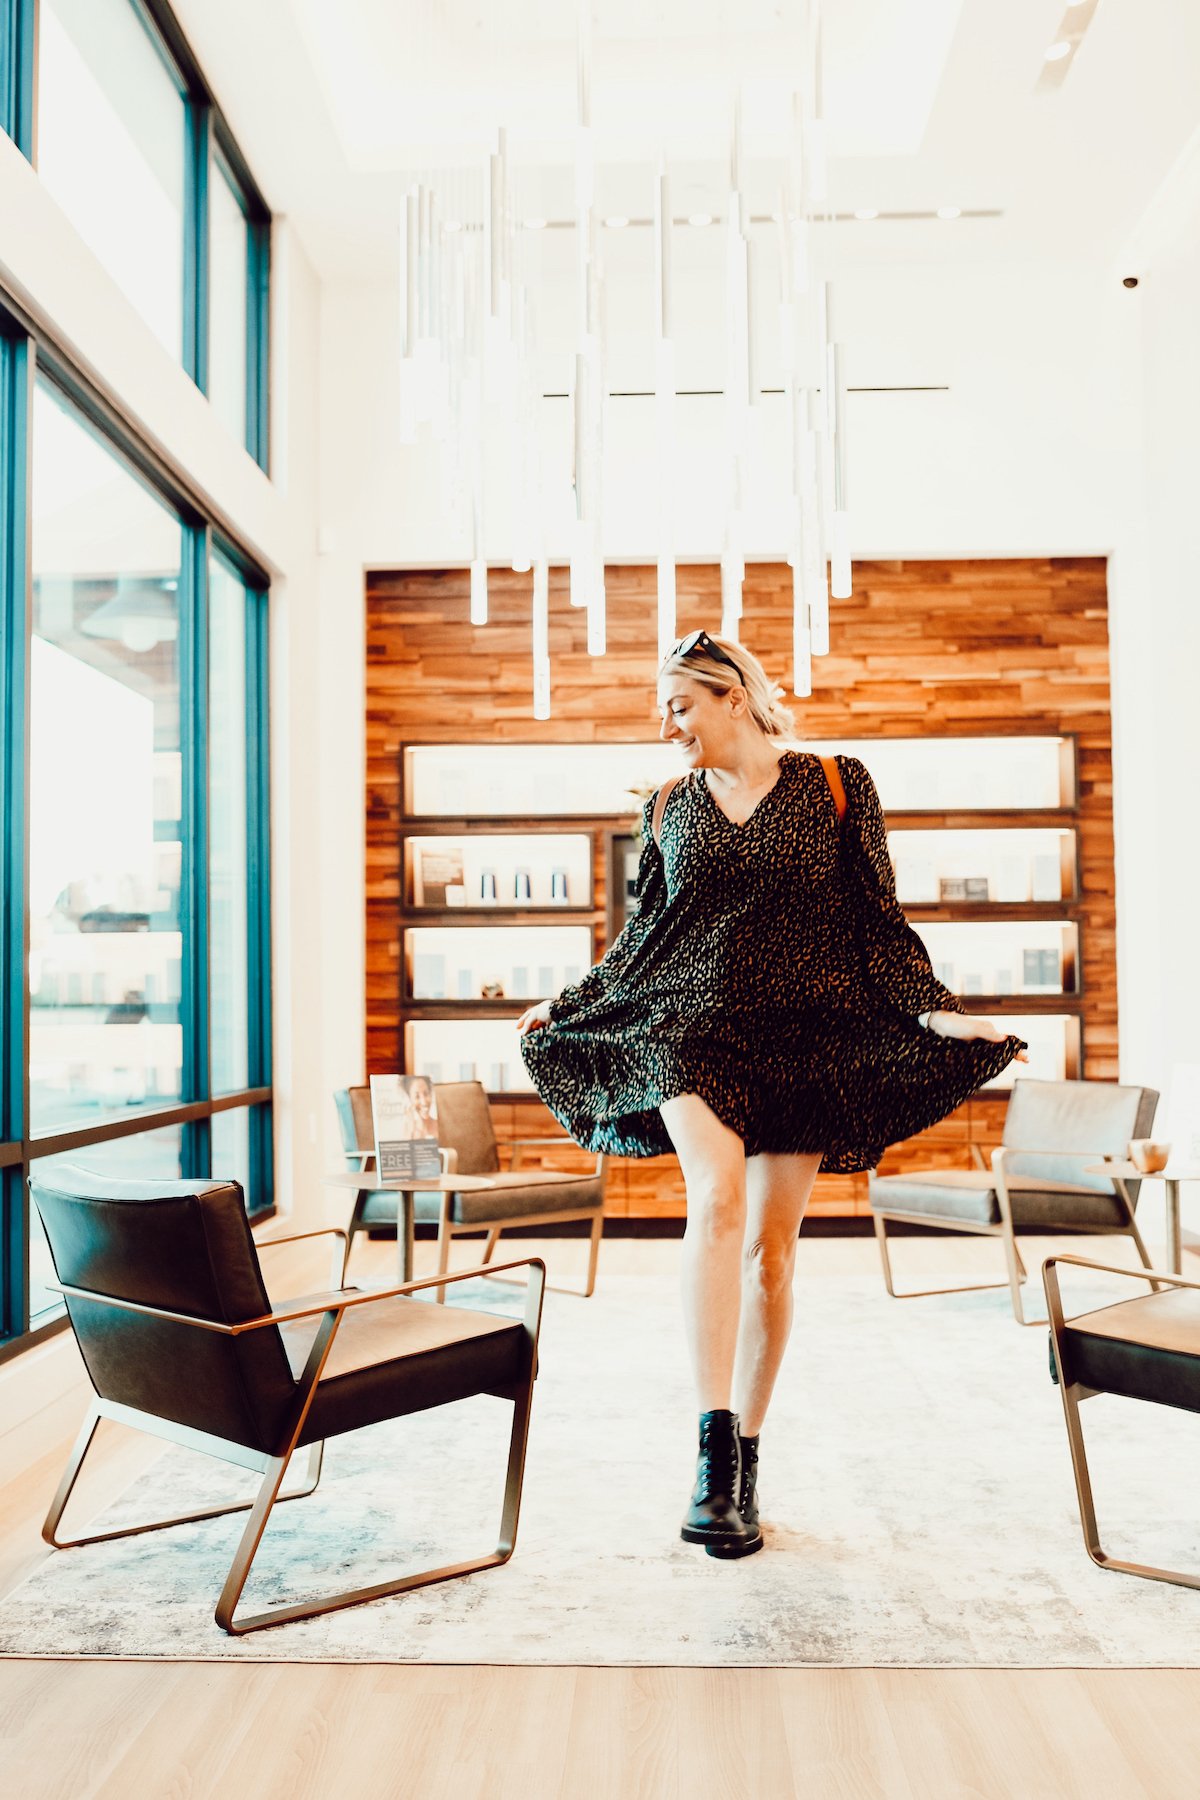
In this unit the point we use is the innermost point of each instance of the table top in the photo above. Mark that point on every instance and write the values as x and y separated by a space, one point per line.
1129 1171
367 1181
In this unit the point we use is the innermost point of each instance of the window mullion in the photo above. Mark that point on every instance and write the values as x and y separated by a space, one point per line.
16 377
193 901
258 876
16 73
198 126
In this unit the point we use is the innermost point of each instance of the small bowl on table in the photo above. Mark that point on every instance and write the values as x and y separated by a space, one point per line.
1149 1155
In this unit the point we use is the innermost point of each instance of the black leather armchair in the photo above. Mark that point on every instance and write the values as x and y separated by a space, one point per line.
1147 1348
166 1298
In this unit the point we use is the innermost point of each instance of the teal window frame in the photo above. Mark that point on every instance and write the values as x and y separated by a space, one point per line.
26 355
205 127
17 32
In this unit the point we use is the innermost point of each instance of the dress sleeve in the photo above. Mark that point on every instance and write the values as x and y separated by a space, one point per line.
894 958
650 895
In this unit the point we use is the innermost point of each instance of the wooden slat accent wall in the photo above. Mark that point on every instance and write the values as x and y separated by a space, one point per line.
923 648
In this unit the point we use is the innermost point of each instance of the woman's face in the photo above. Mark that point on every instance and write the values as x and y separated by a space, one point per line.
701 723
422 1099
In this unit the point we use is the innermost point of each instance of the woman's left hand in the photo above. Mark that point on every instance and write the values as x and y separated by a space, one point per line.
963 1025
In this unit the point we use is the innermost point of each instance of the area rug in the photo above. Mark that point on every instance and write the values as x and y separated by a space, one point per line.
917 1499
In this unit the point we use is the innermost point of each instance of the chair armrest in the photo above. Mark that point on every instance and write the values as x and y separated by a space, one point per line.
339 1301
364 1156
517 1145
449 1160
340 1258
1006 1151
1157 1277
298 1237
1002 1156
1058 1321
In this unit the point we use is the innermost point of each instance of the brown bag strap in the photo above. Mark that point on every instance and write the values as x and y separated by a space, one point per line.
833 776
660 806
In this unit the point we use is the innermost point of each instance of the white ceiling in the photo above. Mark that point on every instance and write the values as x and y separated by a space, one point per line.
930 102
440 79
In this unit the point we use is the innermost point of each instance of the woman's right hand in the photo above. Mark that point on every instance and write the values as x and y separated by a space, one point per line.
533 1018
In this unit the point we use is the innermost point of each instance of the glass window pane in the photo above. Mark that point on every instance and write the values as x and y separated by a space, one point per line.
106 951
231 1149
148 1154
110 148
229 252
227 859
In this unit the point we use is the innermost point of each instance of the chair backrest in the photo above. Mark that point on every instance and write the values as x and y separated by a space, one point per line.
1094 1117
185 1246
464 1121
355 1120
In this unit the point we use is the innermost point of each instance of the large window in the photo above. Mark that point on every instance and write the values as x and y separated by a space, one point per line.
134 1000
105 944
133 148
111 129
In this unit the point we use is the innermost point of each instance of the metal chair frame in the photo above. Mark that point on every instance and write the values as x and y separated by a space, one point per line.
331 1310
1017 1274
1074 1393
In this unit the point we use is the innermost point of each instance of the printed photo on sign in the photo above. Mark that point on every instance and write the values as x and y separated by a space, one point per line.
404 1112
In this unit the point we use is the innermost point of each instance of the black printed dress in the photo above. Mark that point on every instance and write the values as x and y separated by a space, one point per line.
768 968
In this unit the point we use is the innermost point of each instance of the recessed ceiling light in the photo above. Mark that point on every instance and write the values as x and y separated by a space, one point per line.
949 212
534 224
616 220
1056 52
866 212
453 225
699 218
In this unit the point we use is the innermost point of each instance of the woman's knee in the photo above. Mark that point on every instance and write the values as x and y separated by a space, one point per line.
716 1206
769 1262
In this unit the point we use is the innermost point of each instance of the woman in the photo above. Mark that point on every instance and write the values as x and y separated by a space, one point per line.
767 1011
424 1108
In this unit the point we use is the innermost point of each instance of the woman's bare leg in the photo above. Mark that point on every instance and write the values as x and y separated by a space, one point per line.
714 1171
777 1193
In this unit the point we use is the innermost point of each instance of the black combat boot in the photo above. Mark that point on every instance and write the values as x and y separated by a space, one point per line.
747 1503
713 1518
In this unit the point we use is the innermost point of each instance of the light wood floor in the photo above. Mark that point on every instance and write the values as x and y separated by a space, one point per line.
303 1732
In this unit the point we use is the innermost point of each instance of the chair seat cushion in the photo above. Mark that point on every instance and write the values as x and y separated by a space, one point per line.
379 1207
970 1195
1146 1349
398 1356
521 1194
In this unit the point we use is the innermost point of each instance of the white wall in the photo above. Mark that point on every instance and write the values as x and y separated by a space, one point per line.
45 264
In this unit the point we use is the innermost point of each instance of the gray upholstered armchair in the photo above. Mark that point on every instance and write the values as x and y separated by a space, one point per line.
1053 1131
168 1304
467 1138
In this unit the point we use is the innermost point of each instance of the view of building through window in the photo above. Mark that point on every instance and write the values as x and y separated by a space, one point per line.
105 937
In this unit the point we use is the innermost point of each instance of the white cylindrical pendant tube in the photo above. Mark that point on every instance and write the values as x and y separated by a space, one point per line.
841 582
801 634
411 268
662 253
495 232
664 387
479 592
541 610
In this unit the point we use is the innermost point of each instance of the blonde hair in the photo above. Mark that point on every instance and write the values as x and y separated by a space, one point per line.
762 694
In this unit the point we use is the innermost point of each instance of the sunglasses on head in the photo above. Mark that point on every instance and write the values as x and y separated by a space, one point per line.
700 640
